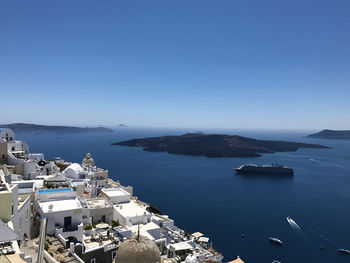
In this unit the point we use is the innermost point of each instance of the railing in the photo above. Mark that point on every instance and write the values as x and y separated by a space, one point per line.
70 228
111 246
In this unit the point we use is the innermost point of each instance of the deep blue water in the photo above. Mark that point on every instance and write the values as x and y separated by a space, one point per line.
203 194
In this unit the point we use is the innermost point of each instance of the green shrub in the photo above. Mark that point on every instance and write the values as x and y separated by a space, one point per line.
46 246
87 227
115 223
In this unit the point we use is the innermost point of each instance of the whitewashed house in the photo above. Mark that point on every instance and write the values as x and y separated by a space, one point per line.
116 195
64 217
15 208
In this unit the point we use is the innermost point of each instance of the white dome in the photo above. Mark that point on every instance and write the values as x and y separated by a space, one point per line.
141 250
76 167
73 170
191 259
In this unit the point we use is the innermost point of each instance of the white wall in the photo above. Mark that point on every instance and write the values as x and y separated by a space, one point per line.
23 219
36 156
17 146
54 218
97 213
124 197
131 220
29 170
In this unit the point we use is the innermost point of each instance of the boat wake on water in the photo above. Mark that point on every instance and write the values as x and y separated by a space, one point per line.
322 237
293 224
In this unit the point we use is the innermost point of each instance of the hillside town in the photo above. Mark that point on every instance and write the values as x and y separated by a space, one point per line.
59 211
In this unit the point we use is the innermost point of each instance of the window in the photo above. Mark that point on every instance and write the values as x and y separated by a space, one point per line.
114 254
3 156
93 260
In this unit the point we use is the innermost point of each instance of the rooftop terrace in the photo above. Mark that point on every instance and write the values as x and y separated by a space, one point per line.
60 205
97 203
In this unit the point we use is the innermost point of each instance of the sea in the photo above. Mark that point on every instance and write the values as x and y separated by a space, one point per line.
204 194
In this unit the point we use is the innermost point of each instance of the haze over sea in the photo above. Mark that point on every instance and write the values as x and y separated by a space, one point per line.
203 194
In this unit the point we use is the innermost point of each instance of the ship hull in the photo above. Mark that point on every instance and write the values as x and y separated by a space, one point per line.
265 170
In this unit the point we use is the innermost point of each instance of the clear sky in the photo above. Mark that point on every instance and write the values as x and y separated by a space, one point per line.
271 64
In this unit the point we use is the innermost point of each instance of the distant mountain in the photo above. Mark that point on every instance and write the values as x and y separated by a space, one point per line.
331 134
34 128
215 145
122 125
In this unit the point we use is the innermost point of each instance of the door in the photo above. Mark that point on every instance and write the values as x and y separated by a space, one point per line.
67 222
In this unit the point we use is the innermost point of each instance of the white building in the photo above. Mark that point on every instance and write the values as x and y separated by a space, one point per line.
163 221
100 210
28 186
74 171
36 157
11 151
131 213
116 195
15 208
64 217
7 134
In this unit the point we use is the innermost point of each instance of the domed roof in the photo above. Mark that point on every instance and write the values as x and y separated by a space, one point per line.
138 250
88 160
191 259
75 167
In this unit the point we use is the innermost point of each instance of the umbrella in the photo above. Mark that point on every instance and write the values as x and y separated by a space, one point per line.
102 225
197 235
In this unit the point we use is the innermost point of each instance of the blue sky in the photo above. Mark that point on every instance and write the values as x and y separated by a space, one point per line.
271 64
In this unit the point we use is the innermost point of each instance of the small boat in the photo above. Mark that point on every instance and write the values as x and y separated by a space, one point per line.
345 251
275 240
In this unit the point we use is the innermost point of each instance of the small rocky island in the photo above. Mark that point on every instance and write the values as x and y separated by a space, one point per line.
215 145
331 134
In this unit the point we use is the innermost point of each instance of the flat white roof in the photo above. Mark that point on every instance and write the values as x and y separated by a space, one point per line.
131 209
181 246
60 205
144 229
113 192
197 235
37 183
97 203
203 239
